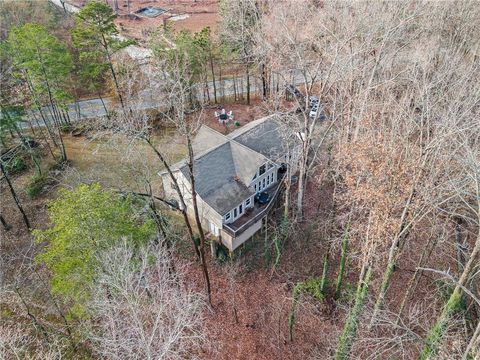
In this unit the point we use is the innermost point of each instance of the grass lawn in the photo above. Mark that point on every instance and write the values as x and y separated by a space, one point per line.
116 161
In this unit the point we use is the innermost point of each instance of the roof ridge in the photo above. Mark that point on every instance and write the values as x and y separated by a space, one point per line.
229 140
183 162
246 147
246 128
212 129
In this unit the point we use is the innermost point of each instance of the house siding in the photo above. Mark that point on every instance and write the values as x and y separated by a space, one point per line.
259 179
245 206
205 212
232 243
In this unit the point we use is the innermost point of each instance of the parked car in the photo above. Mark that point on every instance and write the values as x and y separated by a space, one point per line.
313 100
314 111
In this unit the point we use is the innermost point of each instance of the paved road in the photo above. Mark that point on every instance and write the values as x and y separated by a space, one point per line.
149 100
93 108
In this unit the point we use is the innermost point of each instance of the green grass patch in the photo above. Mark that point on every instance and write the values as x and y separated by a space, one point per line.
35 186
348 294
16 165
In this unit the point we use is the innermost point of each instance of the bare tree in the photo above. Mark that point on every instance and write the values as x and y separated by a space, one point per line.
468 192
141 308
15 197
239 25
179 97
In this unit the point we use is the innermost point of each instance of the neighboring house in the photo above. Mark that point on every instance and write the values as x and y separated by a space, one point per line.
229 171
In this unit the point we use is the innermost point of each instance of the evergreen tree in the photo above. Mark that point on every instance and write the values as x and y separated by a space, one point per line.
96 38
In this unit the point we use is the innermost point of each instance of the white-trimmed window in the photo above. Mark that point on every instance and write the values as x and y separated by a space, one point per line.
247 202
268 180
263 183
227 217
255 186
262 169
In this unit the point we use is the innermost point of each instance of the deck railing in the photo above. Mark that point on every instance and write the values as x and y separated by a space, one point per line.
236 232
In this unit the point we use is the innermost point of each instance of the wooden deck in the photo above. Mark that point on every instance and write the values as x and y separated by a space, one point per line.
256 213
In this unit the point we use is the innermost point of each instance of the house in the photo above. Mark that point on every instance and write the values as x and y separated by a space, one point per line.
230 170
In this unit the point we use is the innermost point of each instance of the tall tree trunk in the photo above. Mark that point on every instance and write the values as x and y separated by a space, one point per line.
103 104
343 261
286 200
221 81
207 88
458 244
62 144
302 177
161 233
291 317
393 254
473 346
413 283
30 314
436 333
179 193
213 78
324 278
37 103
43 136
248 84
350 328
264 82
197 219
234 89
112 70
15 197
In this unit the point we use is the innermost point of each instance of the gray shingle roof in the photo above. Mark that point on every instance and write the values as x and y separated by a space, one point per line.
217 180
225 165
206 139
263 136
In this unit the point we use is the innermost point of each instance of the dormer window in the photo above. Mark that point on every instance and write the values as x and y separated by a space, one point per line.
254 177
262 169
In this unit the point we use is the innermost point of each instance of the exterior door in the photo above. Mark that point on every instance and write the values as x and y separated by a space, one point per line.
214 229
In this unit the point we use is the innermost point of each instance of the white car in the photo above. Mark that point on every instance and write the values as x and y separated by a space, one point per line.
314 111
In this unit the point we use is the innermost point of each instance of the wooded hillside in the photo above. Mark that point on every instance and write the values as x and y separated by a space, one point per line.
371 250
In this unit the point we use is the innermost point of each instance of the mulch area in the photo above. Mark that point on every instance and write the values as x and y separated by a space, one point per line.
263 305
242 113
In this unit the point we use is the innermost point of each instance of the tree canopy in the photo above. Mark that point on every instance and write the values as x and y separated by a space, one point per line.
86 220
96 38
43 58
